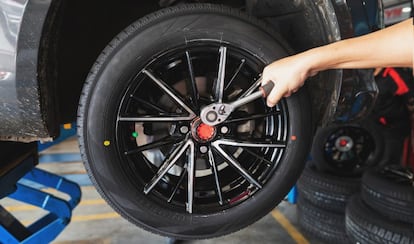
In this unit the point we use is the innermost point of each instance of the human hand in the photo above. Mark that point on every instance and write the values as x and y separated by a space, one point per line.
288 74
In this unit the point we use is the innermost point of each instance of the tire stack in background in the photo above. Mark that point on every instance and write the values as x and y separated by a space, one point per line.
321 204
345 197
339 156
354 189
384 210
377 208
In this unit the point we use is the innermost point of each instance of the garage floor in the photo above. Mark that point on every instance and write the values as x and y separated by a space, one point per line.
94 221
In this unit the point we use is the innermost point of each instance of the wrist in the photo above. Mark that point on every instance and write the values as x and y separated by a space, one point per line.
313 59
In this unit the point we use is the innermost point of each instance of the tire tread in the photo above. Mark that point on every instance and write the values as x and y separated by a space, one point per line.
326 190
366 226
393 200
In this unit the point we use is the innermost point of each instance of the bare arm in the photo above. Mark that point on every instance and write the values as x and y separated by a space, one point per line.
390 47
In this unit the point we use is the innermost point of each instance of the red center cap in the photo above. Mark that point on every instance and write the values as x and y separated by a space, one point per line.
343 142
205 132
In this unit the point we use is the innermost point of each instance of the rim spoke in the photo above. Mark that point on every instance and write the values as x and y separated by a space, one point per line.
242 62
192 82
236 143
336 155
182 176
191 176
166 166
268 162
243 172
168 140
148 104
219 87
252 117
169 91
215 172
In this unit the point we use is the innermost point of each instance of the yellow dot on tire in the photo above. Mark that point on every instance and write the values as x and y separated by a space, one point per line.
107 143
67 126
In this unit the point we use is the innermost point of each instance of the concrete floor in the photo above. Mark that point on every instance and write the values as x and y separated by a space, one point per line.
94 221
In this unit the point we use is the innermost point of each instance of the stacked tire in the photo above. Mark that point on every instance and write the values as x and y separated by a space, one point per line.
384 210
339 156
321 204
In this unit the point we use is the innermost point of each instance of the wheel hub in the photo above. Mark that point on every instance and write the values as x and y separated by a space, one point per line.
344 143
202 132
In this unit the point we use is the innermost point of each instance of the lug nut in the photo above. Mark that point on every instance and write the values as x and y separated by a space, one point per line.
203 149
183 129
224 130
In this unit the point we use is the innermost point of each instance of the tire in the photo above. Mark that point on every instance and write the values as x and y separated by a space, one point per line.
325 225
362 148
135 129
363 225
389 193
327 191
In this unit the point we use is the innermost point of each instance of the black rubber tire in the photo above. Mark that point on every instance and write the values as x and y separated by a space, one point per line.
387 196
327 191
364 225
352 167
130 50
318 222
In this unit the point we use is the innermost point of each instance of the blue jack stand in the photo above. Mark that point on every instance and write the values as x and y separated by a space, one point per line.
292 195
19 180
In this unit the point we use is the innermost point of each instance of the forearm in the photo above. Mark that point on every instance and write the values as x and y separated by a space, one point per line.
390 47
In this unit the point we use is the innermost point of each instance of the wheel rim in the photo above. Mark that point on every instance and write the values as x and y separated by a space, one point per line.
177 161
349 147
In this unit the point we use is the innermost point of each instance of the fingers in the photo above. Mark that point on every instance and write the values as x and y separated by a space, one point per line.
377 71
287 77
280 90
275 95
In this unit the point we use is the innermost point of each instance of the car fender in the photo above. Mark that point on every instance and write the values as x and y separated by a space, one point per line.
23 117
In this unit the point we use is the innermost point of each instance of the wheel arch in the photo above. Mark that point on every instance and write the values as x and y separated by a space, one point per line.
24 117
74 34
